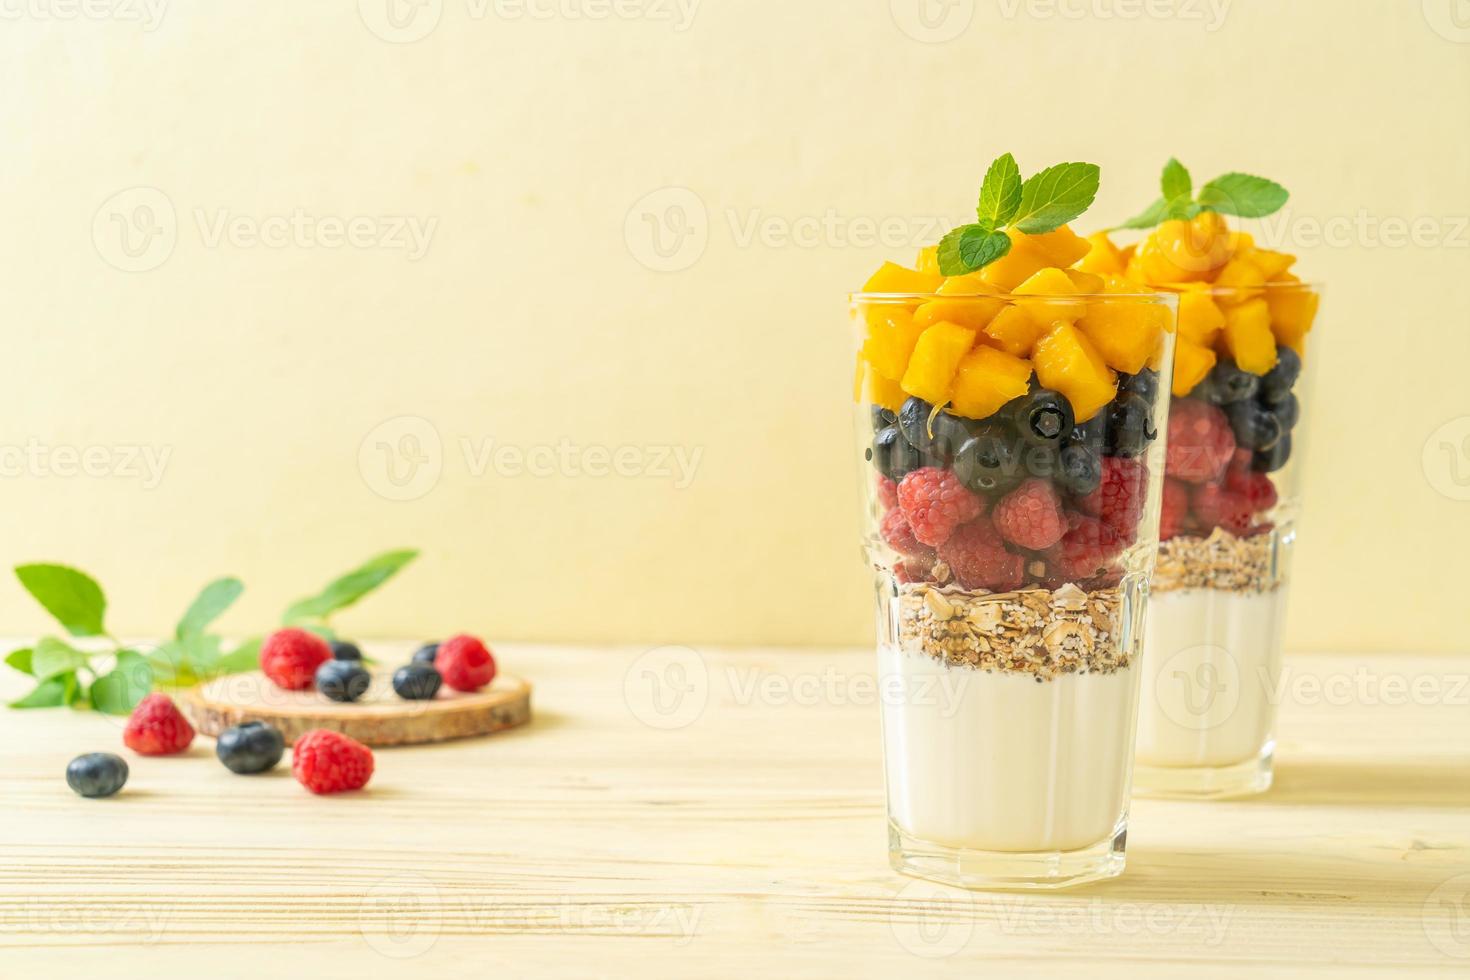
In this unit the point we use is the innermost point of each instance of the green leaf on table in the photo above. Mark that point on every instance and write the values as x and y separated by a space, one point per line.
971 247
20 660
201 653
119 690
1243 195
245 657
1000 194
72 597
1055 196
216 597
53 692
349 588
1155 214
52 657
170 666
1176 181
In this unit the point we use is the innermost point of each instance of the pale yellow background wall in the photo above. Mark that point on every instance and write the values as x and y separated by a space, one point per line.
533 316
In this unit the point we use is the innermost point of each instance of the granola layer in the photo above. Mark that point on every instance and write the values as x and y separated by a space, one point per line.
1221 561
1037 632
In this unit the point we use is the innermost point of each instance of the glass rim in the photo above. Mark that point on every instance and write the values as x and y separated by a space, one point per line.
1160 298
1210 289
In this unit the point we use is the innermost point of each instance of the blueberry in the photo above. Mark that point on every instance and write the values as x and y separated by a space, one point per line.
1256 427
96 774
1274 458
1144 384
426 653
342 650
1228 384
1092 433
1039 461
1130 426
938 435
342 680
250 748
987 462
883 417
1279 381
1079 471
1288 410
892 454
416 682
1043 417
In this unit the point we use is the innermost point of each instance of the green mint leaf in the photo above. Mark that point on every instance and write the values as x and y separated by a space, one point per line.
1176 181
1000 195
971 247
118 691
1155 214
245 657
52 657
170 667
348 589
201 653
72 597
53 692
1182 209
20 660
1056 196
1243 195
216 597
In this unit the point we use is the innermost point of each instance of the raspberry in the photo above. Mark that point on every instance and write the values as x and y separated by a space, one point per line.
1215 506
1031 516
1201 442
1255 487
887 491
913 570
330 762
1086 551
465 662
1118 500
900 536
935 503
978 558
1175 518
290 658
157 728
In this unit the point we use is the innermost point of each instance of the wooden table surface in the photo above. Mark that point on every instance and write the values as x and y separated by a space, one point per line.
690 813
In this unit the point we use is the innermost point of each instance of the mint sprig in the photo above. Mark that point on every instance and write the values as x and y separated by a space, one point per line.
1242 195
1041 203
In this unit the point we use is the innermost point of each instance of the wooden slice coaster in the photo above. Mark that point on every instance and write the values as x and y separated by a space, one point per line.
380 718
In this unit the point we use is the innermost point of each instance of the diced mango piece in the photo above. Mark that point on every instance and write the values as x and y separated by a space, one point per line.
1247 337
879 390
1200 319
1127 332
935 359
1273 265
1086 282
1105 259
1293 311
1068 362
970 285
1015 331
1019 264
1050 282
1239 281
986 380
1191 364
894 278
973 312
928 262
892 335
1185 251
1062 247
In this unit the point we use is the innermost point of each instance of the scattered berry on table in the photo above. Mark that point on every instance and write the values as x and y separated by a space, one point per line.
1228 384
330 762
886 491
1274 458
1130 426
1120 497
1174 519
978 559
900 536
1255 426
1043 417
417 682
96 774
250 748
157 727
987 463
935 503
342 680
290 658
1031 516
1216 506
465 663
426 653
892 455
342 650
1279 381
1079 471
1201 442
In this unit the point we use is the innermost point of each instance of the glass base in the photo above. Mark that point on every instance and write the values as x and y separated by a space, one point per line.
1026 870
1246 778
